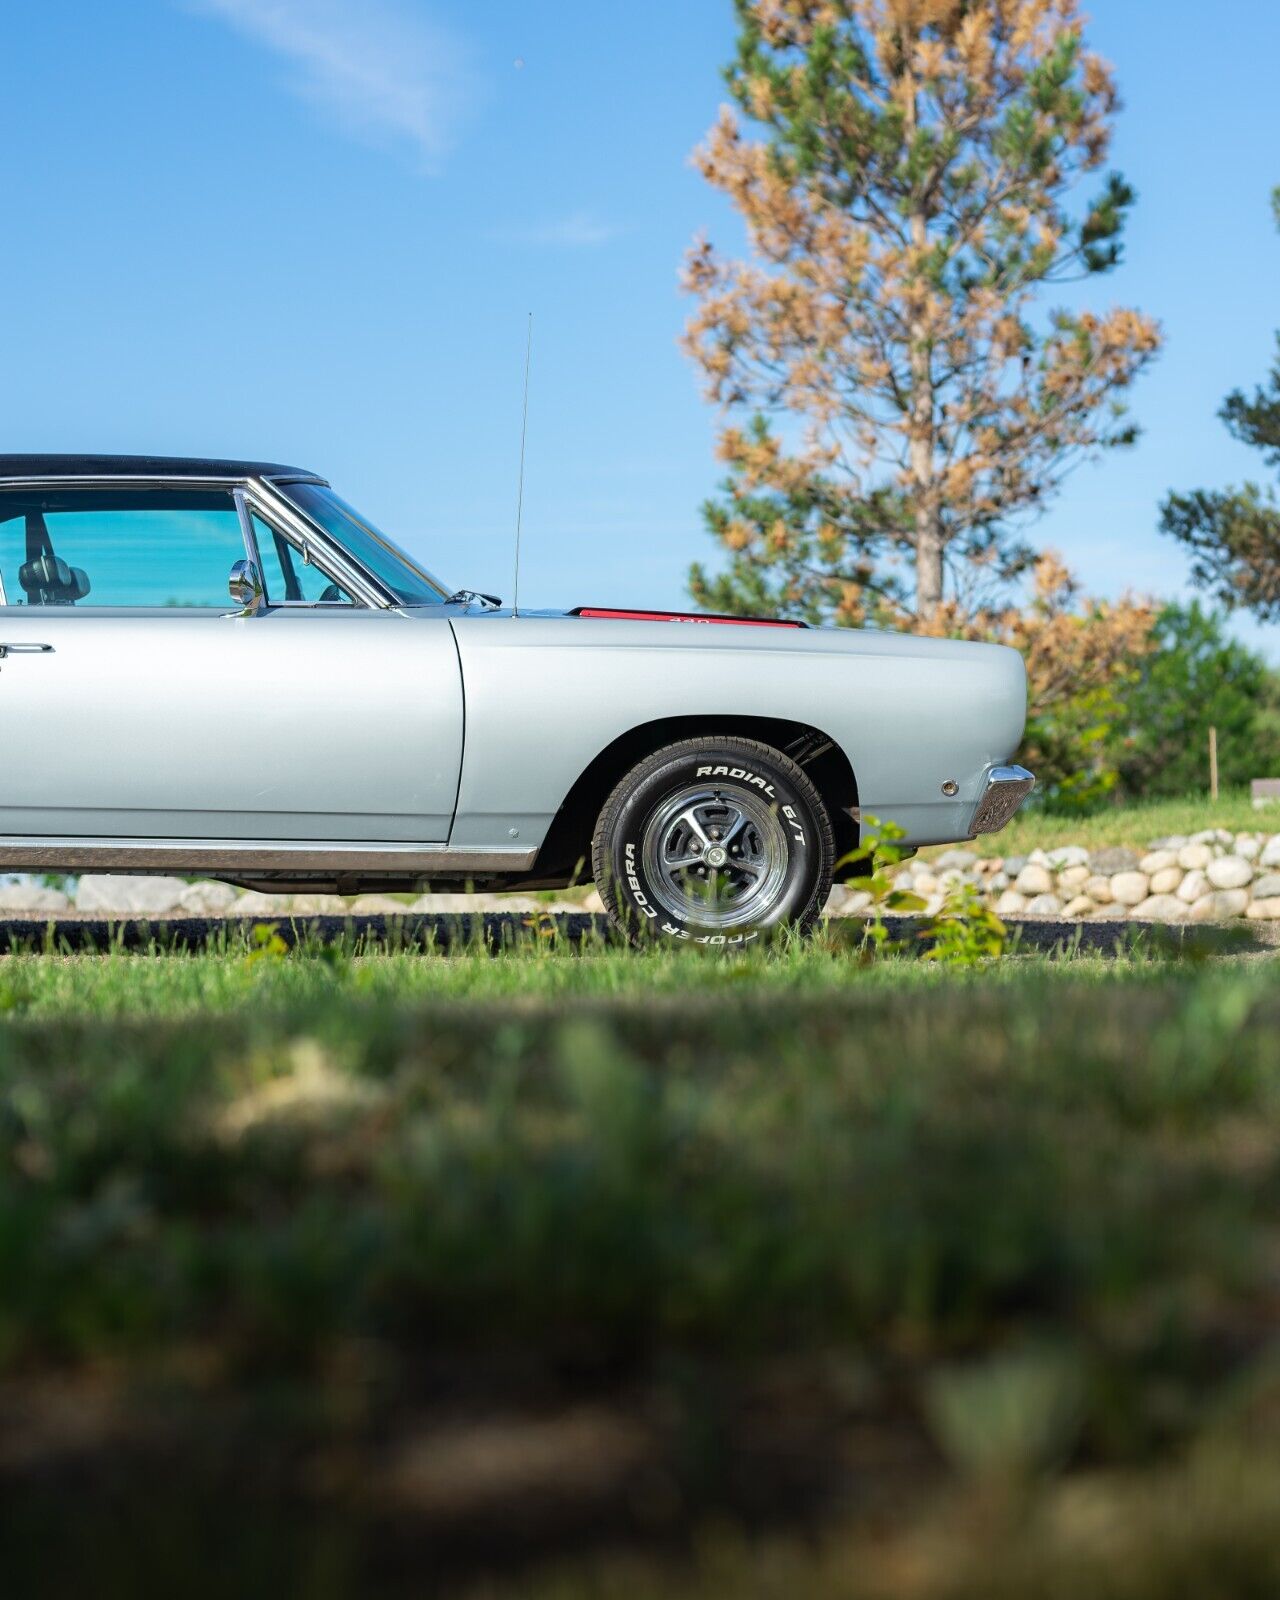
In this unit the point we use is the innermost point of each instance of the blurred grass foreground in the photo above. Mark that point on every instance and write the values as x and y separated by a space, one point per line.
764 1276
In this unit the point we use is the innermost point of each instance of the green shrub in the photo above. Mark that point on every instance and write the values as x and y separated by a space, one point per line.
1196 678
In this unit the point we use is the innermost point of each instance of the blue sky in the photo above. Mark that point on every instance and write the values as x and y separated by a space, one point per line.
311 230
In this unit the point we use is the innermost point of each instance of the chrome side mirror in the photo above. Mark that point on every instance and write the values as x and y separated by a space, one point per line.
245 586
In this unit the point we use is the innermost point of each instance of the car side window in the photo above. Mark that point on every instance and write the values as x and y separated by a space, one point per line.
291 577
135 547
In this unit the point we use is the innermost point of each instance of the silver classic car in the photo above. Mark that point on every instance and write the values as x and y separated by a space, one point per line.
220 667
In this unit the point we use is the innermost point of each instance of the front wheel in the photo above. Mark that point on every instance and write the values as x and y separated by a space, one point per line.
713 841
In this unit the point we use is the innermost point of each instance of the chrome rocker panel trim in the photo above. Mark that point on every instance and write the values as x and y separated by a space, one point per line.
250 856
1007 788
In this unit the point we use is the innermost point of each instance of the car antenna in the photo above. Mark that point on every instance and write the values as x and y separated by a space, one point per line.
524 434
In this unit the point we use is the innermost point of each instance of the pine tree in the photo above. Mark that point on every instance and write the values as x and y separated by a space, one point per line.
1234 534
895 407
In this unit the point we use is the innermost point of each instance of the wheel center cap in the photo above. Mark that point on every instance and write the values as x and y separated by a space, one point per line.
717 856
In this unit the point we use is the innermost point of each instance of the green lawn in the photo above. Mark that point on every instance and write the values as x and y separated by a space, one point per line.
172 987
651 1275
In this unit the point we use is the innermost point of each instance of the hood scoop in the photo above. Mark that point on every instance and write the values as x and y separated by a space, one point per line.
616 615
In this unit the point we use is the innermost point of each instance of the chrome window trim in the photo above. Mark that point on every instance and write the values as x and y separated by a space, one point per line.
149 480
313 551
276 507
298 528
122 481
393 600
246 531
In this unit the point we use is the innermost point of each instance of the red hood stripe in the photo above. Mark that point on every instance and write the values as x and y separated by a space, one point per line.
682 616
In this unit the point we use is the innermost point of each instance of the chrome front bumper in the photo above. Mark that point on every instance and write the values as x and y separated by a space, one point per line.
1007 788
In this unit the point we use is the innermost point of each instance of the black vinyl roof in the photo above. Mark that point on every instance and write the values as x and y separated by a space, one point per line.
67 466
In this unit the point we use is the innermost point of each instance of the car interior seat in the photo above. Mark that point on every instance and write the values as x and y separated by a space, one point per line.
45 579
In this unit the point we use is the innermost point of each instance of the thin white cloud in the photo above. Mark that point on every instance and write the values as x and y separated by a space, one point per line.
577 232
382 71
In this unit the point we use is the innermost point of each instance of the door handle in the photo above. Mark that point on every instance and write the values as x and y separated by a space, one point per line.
26 649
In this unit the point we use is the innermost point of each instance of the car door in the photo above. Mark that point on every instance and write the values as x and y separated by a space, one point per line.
136 702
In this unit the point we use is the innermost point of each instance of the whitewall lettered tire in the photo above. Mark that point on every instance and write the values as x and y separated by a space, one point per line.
713 841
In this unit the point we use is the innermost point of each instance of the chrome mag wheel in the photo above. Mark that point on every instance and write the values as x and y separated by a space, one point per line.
716 856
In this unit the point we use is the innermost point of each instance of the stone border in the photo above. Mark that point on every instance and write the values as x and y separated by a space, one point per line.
1213 876
118 895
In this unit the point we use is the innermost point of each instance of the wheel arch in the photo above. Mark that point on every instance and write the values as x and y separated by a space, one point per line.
566 851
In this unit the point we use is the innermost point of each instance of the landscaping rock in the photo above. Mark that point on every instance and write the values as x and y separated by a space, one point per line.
1195 856
1232 902
1074 877
1161 908
956 860
1220 907
207 899
1194 887
924 883
1166 881
1044 905
1013 865
1098 889
521 905
319 905
1067 855
1158 861
1081 906
19 899
1034 879
1115 859
1247 846
1011 904
1265 910
1229 872
843 903
119 895
1130 888
1270 856
255 904
445 905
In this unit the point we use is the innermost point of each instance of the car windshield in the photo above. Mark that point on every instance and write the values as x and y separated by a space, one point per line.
373 550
